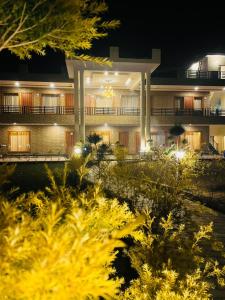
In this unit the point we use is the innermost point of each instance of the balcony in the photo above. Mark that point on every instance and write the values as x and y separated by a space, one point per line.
205 74
63 110
206 112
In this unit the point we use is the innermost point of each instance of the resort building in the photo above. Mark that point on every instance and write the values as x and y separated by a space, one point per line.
127 102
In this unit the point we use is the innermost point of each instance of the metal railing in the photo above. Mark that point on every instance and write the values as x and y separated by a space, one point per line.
206 112
205 74
117 111
67 110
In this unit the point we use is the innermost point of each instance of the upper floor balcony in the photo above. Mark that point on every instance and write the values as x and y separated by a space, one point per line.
65 115
68 110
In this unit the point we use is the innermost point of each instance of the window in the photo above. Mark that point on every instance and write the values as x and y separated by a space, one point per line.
193 139
11 100
129 101
50 100
19 141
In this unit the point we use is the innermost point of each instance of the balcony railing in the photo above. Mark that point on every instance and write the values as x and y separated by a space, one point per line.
205 74
117 111
67 110
206 112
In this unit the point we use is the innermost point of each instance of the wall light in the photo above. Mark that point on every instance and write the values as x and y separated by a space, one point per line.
55 124
52 85
14 123
17 83
106 73
224 88
116 73
196 88
128 81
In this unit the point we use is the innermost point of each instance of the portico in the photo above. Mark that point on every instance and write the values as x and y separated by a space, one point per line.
125 86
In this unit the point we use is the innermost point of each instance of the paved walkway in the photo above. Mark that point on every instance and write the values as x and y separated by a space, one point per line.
30 158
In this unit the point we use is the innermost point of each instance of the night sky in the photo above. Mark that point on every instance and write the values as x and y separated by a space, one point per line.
183 31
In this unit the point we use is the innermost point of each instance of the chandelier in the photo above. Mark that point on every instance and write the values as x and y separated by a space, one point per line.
108 91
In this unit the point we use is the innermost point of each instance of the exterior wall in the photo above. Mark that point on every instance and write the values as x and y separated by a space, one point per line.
43 139
218 100
167 99
114 134
91 94
215 61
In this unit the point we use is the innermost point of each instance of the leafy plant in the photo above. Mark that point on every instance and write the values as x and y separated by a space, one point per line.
68 26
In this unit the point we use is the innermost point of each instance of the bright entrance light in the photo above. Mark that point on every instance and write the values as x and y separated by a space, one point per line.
179 154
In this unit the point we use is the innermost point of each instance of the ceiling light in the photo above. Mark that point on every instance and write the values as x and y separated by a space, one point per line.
52 85
14 123
17 83
128 81
196 88
224 88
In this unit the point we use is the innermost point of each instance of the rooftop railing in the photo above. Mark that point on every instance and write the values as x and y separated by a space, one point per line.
205 74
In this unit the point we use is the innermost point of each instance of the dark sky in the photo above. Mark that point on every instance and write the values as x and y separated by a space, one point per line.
183 31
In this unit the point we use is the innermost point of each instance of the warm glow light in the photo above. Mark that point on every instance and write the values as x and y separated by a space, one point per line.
196 88
17 83
128 81
55 124
116 73
179 154
108 91
224 88
52 85
106 73
14 123
88 80
194 66
77 150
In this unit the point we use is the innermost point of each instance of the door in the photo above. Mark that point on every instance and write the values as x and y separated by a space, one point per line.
188 102
124 138
69 142
194 139
26 102
179 103
137 142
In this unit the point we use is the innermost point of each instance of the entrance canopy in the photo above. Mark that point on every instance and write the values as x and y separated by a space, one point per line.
118 64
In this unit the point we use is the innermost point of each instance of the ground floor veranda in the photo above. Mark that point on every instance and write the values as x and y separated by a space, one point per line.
59 140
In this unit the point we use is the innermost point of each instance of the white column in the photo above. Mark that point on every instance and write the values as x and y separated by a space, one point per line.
148 106
82 107
142 111
76 108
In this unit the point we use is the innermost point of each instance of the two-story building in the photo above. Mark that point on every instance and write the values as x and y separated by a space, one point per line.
125 102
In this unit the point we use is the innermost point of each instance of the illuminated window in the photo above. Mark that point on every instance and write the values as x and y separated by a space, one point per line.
11 99
50 100
19 141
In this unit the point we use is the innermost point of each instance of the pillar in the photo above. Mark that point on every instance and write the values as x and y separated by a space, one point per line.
148 106
82 107
76 108
142 112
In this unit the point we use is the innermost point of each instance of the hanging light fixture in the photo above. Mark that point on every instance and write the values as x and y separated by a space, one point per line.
108 90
